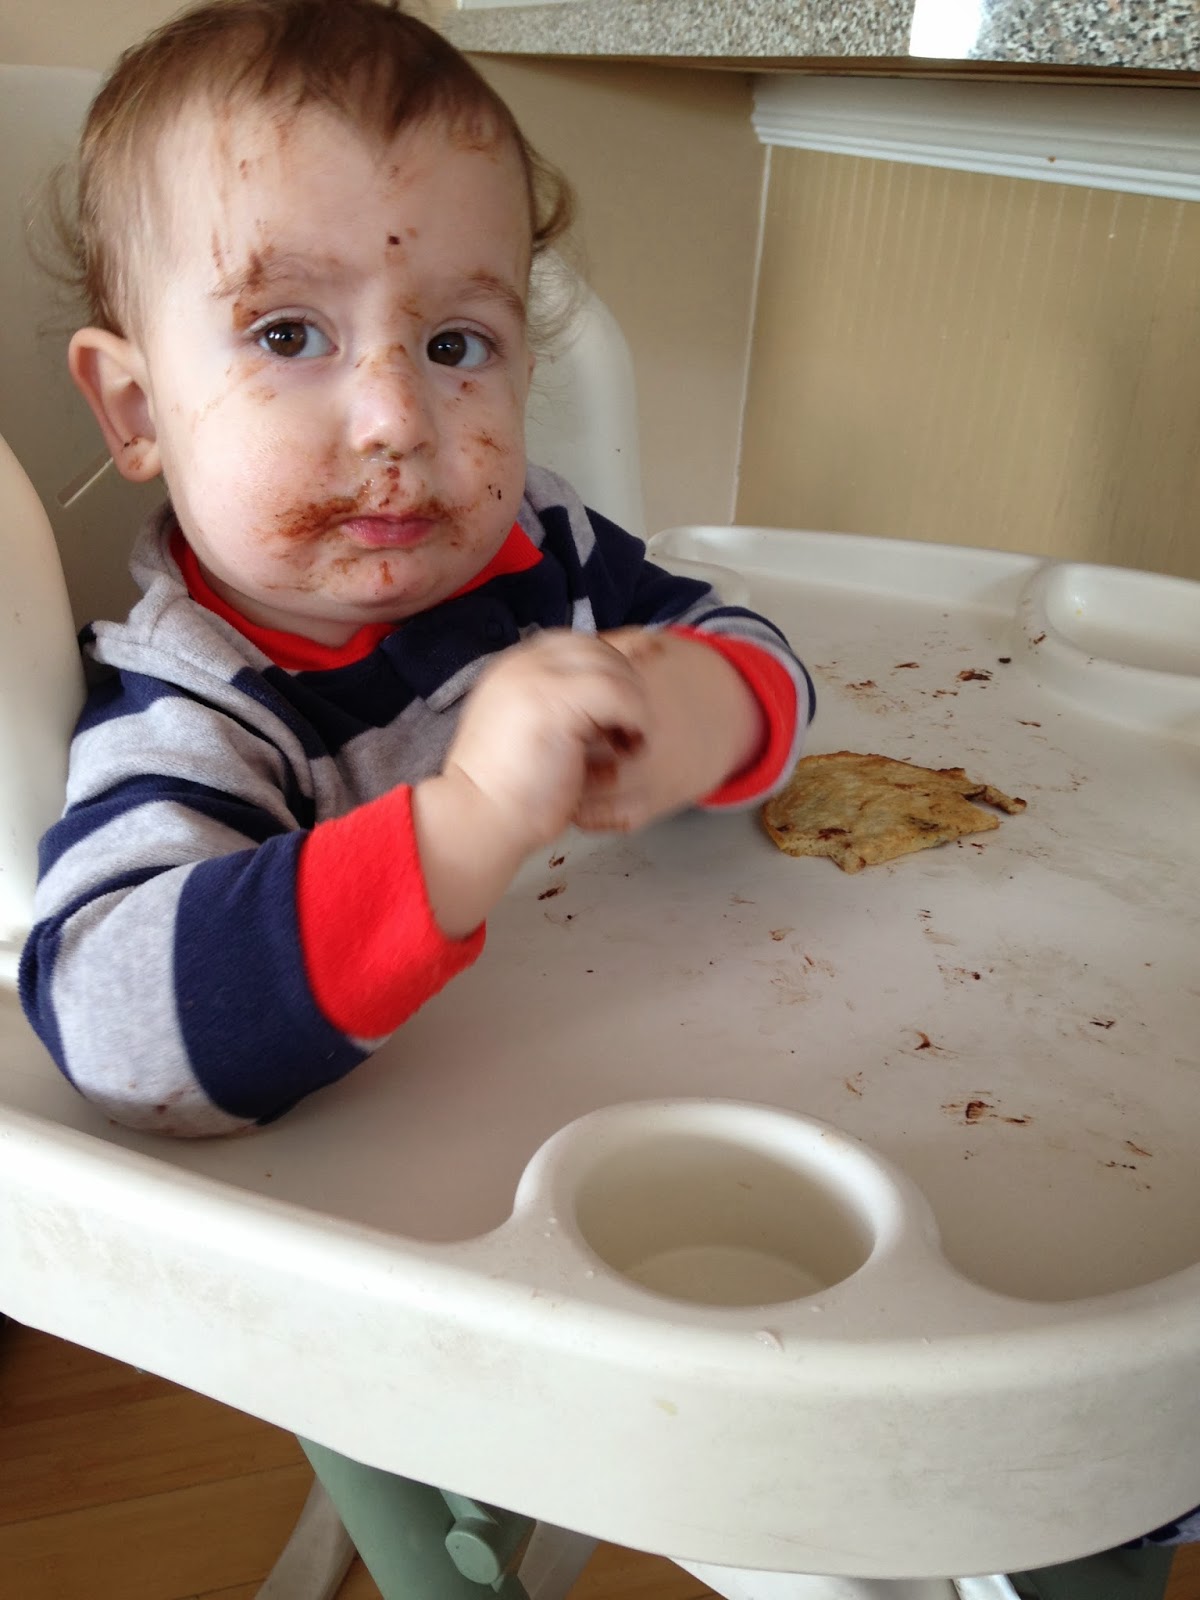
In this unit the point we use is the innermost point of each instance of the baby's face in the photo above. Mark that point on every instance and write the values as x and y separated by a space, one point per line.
337 363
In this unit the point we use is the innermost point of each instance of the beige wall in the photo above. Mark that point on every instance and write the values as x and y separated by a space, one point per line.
669 176
90 33
76 33
986 361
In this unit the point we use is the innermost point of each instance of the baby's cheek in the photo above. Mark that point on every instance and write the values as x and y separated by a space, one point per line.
282 470
493 464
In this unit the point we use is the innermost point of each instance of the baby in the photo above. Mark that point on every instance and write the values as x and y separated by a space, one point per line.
379 658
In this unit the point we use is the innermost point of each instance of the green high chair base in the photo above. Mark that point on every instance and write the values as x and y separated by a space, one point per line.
1115 1575
419 1543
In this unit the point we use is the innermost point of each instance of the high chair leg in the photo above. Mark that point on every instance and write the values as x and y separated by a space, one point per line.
316 1558
553 1561
737 1585
418 1543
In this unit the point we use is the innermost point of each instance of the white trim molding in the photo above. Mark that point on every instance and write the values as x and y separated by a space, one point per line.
1139 140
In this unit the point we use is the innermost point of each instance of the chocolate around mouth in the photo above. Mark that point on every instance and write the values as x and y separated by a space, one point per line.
319 516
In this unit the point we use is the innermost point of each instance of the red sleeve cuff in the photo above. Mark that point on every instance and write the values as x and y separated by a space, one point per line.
372 950
771 684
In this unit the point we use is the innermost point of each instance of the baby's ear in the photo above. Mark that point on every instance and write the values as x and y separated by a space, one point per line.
110 373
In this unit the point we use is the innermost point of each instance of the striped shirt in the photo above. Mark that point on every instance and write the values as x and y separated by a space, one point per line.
231 912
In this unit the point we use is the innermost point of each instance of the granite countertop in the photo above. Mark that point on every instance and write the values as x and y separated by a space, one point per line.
844 35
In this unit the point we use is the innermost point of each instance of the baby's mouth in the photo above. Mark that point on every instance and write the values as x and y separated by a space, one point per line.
386 532
382 525
366 521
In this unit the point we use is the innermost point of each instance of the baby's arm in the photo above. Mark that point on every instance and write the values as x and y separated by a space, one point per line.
518 766
205 956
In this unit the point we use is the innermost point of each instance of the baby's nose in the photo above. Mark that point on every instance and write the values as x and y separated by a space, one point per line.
390 411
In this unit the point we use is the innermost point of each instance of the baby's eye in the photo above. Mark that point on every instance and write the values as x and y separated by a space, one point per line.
293 337
458 348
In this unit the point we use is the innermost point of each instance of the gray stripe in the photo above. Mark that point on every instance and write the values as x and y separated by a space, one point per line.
116 1013
188 740
161 834
410 748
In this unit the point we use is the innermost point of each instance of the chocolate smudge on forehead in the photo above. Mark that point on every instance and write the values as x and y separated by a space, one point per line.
254 274
247 308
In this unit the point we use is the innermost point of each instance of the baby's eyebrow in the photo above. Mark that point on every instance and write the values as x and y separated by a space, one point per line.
264 272
261 273
486 285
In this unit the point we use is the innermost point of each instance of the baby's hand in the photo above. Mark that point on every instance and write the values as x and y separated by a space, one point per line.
704 725
517 770
529 724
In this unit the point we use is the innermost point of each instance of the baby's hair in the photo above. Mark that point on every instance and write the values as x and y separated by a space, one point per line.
369 62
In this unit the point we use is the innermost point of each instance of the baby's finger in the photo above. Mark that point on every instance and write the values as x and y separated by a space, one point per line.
613 712
570 653
614 803
624 741
601 772
598 816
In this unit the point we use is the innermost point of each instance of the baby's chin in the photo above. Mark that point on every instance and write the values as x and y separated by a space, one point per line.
382 585
391 603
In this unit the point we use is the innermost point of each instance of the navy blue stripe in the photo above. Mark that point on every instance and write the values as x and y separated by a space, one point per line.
723 613
254 1035
272 689
326 710
537 598
625 589
662 597
38 960
434 647
87 818
113 694
812 690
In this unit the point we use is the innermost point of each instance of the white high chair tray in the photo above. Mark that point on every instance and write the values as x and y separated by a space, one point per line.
976 1354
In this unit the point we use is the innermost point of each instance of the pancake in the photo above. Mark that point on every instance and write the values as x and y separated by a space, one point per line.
860 810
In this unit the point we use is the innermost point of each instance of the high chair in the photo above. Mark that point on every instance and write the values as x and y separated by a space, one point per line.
570 1274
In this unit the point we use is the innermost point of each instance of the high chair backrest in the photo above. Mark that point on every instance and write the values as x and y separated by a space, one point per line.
67 520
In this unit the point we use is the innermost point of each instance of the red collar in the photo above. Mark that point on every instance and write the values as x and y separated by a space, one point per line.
293 651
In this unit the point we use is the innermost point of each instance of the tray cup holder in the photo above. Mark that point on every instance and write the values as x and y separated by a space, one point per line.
698 1218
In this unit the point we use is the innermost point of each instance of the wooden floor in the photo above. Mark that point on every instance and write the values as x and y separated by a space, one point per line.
115 1485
